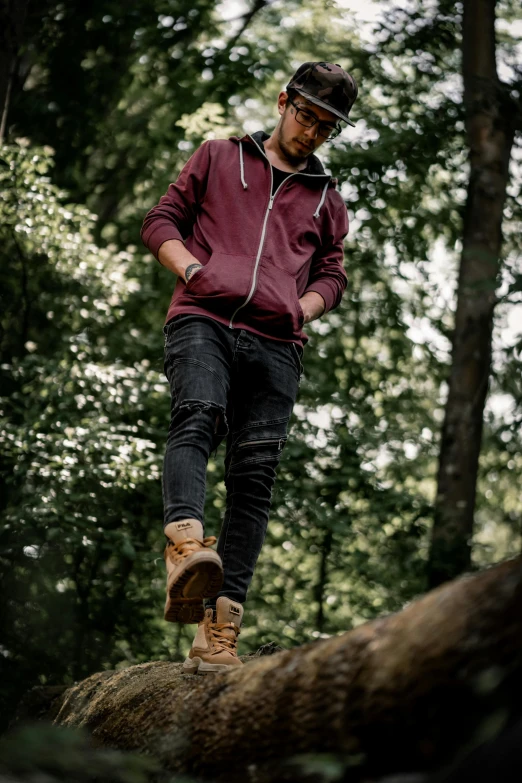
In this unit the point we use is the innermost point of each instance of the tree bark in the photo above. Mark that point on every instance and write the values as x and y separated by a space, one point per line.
401 693
491 117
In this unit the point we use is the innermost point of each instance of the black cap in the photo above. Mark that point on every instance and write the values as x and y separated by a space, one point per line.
326 85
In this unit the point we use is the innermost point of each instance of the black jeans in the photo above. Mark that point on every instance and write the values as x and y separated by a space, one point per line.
227 383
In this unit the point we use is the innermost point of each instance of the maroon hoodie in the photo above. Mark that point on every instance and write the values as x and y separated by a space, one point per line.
260 253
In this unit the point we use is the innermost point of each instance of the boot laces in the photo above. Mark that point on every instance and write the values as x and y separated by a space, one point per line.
221 639
187 547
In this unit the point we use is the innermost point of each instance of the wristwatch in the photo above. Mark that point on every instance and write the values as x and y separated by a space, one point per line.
189 271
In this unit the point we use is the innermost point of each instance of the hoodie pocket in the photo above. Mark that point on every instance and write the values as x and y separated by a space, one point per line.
275 305
222 284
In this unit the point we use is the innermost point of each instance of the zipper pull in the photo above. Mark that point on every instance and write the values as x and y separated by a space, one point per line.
271 202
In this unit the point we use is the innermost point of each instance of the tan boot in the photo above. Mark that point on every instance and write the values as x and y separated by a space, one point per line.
215 647
194 571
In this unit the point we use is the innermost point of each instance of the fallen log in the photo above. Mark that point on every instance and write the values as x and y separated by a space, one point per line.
405 692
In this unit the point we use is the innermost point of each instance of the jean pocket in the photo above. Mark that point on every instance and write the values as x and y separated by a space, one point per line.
298 356
172 325
259 450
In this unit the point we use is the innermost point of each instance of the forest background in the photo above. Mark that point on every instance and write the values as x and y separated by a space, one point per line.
102 106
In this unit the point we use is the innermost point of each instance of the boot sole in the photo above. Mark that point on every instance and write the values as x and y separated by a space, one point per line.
186 594
199 666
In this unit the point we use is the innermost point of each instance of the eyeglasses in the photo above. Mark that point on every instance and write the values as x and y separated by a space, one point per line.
308 120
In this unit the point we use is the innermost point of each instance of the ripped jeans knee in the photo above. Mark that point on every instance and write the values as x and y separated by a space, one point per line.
196 429
193 416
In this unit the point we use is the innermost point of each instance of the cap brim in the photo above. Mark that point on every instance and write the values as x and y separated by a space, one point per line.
323 105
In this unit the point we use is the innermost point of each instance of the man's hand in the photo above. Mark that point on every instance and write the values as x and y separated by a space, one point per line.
312 305
174 256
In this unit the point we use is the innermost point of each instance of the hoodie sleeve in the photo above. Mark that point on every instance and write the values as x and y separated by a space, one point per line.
174 216
327 276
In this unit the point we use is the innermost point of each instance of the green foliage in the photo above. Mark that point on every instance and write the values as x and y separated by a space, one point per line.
80 433
45 752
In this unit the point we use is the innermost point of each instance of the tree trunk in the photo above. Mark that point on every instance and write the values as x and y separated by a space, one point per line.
320 587
401 693
490 126
12 16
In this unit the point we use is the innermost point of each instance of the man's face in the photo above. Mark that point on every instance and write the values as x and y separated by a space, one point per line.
295 140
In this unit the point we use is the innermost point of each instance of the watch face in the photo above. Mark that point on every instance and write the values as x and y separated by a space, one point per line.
189 271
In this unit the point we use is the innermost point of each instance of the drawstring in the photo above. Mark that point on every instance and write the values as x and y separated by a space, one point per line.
316 213
245 186
242 167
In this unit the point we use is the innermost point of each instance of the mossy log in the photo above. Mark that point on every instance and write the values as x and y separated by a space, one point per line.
405 692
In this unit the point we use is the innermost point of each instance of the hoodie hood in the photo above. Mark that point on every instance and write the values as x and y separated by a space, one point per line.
314 170
314 165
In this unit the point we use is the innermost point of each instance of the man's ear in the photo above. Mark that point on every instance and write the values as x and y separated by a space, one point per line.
281 102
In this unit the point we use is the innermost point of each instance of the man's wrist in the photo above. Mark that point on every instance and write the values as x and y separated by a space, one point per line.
312 305
189 271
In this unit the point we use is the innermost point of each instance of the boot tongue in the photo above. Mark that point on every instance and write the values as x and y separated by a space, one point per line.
228 611
185 528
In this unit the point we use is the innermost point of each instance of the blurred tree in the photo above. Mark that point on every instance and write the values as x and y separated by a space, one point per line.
104 85
12 17
492 115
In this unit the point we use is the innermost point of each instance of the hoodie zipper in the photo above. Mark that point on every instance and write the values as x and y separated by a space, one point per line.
263 232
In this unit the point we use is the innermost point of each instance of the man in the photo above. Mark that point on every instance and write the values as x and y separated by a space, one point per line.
253 228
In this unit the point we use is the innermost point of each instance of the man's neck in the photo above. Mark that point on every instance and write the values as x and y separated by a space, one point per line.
278 159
